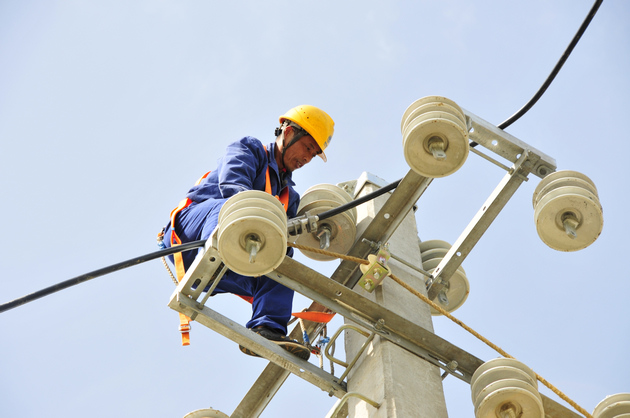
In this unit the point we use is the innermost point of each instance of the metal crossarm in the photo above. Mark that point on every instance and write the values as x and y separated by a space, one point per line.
506 145
389 325
374 317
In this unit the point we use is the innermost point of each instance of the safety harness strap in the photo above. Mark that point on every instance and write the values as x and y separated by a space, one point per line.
184 321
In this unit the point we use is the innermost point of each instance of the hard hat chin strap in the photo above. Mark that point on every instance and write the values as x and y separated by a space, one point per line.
298 133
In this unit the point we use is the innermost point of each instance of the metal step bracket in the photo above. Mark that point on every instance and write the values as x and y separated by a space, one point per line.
336 412
369 337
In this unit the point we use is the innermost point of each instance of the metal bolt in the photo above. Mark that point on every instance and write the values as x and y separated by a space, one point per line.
380 324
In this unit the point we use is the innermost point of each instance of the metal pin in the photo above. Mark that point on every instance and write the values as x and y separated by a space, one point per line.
570 223
252 246
324 234
436 146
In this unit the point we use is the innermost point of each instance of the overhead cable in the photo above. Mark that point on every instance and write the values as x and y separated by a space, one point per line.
100 272
553 73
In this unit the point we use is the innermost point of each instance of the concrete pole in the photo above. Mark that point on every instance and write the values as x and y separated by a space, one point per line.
406 385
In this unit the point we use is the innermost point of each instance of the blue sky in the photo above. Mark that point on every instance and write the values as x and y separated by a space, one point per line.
109 111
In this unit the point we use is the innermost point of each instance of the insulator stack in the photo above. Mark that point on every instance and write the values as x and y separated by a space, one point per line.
435 136
506 388
335 234
252 233
613 406
456 291
206 413
567 211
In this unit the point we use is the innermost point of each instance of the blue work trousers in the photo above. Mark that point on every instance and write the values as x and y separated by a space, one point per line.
272 302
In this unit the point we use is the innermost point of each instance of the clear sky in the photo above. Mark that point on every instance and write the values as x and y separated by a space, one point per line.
109 111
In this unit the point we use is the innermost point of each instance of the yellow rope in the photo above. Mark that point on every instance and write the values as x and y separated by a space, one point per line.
449 316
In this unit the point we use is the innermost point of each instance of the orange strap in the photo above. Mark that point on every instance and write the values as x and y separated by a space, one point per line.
284 194
313 316
184 321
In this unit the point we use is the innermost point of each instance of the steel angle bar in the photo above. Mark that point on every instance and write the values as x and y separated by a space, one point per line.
374 317
389 325
272 352
261 392
206 270
480 224
382 227
506 145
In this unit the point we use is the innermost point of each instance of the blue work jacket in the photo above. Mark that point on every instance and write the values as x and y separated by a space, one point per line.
244 167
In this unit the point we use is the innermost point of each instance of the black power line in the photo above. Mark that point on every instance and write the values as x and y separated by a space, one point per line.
100 272
553 73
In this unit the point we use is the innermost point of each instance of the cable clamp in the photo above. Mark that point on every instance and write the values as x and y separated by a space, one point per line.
375 272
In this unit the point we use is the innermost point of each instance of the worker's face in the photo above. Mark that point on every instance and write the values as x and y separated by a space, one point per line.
301 153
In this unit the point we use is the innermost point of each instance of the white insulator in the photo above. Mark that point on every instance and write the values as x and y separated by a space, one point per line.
511 401
561 179
505 388
247 200
437 253
435 137
568 218
327 192
338 232
455 291
499 369
433 243
505 361
206 413
431 104
613 406
252 233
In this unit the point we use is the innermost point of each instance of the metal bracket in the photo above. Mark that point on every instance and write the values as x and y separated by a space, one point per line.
204 273
376 271
481 222
505 145
304 224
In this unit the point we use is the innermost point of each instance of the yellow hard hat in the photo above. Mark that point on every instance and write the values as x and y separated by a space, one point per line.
315 121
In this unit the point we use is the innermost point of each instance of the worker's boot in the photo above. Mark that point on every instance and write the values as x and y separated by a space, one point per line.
292 346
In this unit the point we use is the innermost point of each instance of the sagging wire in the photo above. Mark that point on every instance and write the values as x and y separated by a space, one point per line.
100 272
553 73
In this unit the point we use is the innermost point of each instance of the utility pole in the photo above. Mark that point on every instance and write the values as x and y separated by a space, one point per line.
405 384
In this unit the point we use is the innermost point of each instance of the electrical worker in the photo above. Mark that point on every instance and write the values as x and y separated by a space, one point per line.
304 132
